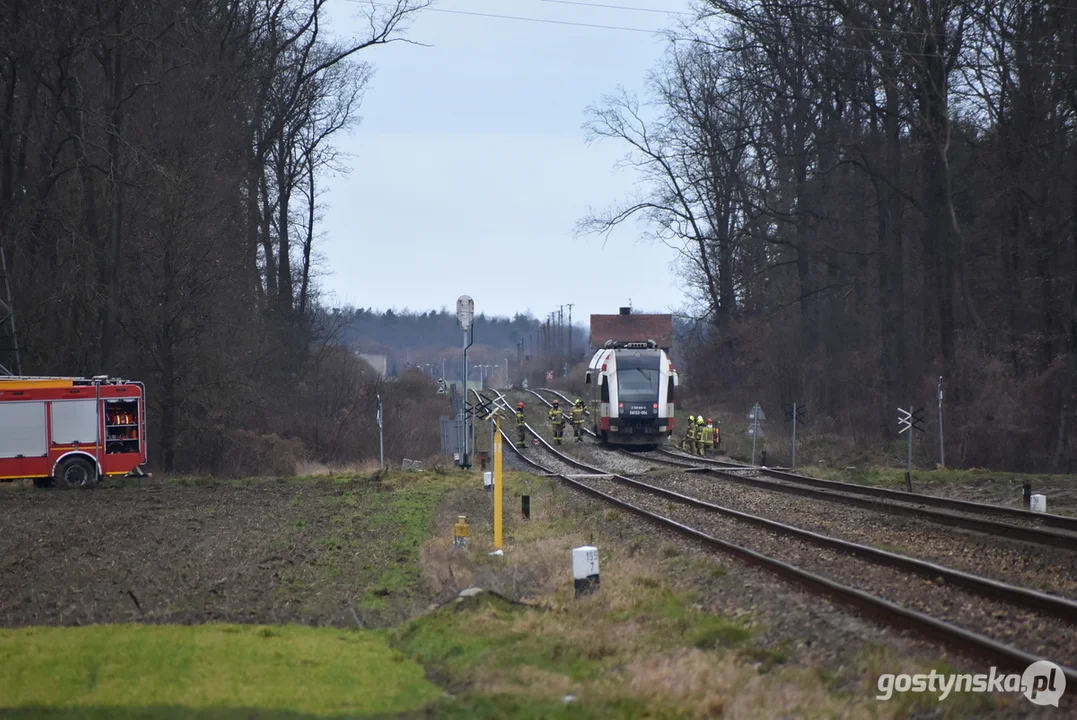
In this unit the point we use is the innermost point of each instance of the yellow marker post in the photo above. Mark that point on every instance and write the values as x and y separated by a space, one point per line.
497 483
461 532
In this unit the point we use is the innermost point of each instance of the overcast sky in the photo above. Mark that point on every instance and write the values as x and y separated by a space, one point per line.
470 169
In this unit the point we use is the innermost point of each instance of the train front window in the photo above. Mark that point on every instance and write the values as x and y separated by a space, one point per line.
637 385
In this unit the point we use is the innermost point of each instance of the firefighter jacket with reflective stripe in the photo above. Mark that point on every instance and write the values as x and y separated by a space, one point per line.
577 414
557 417
708 435
519 418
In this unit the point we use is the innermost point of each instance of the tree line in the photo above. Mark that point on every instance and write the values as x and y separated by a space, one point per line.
872 194
441 329
160 177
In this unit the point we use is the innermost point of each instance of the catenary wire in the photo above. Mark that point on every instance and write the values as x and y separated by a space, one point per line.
618 7
516 17
717 45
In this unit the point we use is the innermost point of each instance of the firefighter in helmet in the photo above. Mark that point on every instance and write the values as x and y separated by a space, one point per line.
520 425
708 437
577 419
687 443
701 431
557 420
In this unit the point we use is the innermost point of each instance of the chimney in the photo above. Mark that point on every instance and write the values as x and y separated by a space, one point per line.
626 311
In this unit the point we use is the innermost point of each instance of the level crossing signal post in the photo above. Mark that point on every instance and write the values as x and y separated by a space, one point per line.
794 413
909 420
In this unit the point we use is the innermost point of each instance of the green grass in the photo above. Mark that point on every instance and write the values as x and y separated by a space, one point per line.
402 519
386 531
483 639
176 671
371 534
892 477
674 619
487 640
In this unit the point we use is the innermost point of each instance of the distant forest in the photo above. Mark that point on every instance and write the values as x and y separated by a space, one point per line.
419 330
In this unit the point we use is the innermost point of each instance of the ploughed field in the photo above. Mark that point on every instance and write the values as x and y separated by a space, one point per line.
274 552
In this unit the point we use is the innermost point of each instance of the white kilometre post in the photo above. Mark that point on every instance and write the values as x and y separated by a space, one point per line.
1039 503
585 569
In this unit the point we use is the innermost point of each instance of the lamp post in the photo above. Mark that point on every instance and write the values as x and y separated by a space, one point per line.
465 313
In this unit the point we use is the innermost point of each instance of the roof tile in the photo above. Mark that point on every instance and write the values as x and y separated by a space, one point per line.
632 328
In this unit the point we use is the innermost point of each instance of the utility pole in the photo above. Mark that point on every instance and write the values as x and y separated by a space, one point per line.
381 436
569 331
942 452
9 342
561 331
794 463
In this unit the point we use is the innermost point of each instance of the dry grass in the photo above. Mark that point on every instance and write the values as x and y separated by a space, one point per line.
642 639
310 468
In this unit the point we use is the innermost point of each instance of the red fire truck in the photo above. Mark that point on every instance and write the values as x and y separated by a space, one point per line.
71 431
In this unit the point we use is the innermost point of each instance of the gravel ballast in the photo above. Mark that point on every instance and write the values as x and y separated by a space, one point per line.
1026 629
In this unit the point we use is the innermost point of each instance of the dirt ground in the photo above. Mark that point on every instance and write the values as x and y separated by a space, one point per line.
165 553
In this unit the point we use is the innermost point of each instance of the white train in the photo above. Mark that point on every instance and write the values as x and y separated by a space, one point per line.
632 388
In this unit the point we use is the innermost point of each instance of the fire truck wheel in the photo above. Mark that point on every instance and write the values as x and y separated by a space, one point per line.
76 472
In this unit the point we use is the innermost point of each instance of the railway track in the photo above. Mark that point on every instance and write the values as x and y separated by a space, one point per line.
1025 526
612 488
1061 522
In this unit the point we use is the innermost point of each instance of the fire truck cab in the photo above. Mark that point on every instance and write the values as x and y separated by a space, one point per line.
71 431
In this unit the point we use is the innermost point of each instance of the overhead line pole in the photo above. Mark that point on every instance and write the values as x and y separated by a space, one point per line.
561 331
569 331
